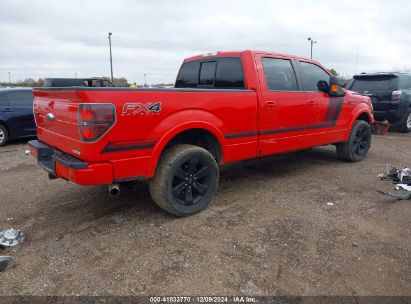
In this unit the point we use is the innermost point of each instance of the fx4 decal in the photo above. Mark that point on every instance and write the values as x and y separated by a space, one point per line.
138 108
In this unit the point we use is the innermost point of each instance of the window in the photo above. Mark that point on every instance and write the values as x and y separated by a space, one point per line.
229 73
107 83
4 101
279 74
207 73
312 75
188 75
221 73
20 98
404 82
373 83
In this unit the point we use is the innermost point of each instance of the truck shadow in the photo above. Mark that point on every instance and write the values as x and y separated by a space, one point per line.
280 165
92 209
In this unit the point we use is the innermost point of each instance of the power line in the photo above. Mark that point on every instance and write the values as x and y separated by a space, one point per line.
205 45
49 43
164 43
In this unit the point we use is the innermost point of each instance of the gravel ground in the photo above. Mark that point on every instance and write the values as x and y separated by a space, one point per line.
295 224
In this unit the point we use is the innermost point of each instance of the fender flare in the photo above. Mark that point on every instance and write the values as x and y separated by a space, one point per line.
165 139
360 111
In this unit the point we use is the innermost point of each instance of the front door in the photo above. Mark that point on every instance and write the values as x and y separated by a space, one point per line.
323 111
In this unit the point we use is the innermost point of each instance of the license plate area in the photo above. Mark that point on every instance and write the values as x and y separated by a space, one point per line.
44 156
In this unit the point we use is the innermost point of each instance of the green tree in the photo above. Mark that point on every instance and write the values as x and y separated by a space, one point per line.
334 72
119 82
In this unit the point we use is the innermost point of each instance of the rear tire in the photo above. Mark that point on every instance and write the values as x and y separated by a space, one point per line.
4 136
404 125
185 181
358 144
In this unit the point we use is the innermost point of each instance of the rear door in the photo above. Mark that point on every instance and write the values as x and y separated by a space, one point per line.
5 111
20 113
282 105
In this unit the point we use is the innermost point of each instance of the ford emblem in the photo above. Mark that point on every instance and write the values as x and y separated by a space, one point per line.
50 116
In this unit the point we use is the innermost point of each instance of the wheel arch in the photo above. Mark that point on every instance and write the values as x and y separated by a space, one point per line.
198 133
2 123
362 114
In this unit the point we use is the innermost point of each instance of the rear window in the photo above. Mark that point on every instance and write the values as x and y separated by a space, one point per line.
20 98
188 75
224 73
376 84
404 82
207 73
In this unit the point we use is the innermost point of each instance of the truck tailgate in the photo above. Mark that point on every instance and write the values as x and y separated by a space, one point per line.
56 115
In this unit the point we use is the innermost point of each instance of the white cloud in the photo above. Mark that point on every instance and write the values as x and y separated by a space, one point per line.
46 38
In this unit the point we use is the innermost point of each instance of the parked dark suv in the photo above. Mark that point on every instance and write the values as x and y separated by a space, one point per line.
16 114
390 94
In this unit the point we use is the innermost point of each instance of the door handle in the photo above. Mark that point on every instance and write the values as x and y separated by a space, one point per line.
270 104
7 110
311 102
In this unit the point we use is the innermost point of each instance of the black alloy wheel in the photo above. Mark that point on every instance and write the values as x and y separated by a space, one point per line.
185 181
361 141
191 182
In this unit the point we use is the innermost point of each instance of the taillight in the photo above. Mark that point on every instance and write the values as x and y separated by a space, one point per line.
396 95
95 120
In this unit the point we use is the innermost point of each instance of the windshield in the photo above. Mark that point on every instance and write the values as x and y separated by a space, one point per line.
376 84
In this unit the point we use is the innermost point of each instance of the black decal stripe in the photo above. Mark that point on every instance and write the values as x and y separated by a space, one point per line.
318 126
330 120
282 130
111 147
176 90
339 101
241 135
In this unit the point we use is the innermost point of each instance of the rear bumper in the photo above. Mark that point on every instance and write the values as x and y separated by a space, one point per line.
62 165
390 115
390 111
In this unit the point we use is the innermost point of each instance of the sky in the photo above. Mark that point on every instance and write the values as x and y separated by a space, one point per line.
50 38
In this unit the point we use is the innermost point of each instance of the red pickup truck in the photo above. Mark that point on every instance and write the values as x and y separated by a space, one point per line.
225 107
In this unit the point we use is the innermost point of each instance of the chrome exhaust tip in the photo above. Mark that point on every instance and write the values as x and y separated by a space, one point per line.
114 190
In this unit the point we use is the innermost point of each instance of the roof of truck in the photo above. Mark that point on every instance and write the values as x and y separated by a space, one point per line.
238 53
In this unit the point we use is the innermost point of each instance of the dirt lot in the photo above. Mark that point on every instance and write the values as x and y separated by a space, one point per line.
268 231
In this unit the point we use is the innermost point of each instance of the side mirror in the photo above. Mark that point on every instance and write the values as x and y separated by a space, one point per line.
322 86
336 87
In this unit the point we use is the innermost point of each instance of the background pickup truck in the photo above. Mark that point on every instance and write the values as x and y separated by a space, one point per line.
225 107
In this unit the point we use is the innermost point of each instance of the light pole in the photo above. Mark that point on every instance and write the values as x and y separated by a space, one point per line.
9 78
111 57
145 80
75 74
311 42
